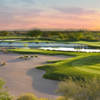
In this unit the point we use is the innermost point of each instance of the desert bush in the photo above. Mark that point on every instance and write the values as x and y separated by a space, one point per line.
4 50
43 99
27 96
32 56
4 95
61 98
35 56
3 64
80 90
21 57
25 57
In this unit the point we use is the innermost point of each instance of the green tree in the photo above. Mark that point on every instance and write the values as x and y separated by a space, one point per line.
35 33
4 33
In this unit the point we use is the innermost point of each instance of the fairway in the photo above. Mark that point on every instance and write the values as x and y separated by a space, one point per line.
95 44
49 50
80 67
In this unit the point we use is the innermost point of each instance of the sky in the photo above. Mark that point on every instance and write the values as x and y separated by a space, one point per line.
49 14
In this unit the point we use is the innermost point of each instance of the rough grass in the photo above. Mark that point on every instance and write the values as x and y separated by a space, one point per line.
81 67
80 90
1 83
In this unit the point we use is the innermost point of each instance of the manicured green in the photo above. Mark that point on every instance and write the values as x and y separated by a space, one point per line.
12 37
80 67
53 61
92 44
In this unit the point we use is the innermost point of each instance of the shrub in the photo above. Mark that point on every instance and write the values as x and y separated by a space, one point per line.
25 56
61 98
20 57
35 56
31 56
43 99
5 97
4 51
3 94
3 64
80 90
27 96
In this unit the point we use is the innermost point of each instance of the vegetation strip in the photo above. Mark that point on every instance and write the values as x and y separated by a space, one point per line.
82 65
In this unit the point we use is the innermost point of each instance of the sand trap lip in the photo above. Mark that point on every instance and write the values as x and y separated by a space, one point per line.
22 77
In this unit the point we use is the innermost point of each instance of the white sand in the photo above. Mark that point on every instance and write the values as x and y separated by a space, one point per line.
22 77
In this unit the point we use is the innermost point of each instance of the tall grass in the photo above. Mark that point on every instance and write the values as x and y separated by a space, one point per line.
80 90
3 94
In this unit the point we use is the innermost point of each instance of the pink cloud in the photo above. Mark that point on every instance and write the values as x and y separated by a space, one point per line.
75 10
76 18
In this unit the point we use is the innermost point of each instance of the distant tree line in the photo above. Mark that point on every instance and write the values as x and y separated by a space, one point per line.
66 35
57 35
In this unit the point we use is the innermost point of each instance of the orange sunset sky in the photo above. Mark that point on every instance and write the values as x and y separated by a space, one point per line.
49 14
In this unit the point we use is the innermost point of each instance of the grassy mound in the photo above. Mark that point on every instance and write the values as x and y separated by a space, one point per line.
91 44
80 67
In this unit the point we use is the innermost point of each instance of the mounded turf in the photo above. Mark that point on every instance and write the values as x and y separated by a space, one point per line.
81 67
91 44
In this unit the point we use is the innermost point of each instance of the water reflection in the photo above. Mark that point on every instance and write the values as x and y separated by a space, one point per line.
74 47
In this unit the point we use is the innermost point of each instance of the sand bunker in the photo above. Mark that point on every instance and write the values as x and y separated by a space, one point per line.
21 76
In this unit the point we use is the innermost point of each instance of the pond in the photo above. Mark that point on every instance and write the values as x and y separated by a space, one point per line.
42 45
74 47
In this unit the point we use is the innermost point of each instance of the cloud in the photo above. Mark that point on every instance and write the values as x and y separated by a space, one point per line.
18 13
26 14
16 2
75 10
